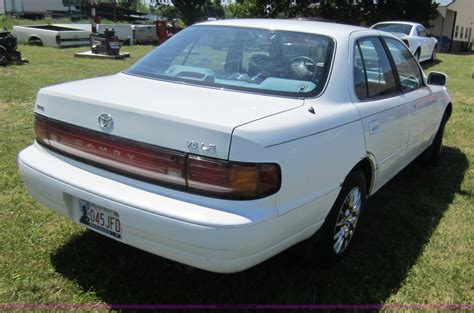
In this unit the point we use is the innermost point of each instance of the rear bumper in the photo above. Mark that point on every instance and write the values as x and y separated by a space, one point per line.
207 238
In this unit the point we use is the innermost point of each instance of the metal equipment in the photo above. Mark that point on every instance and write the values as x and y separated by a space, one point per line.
104 46
8 52
106 43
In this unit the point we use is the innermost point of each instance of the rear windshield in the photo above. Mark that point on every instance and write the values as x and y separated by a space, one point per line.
394 28
256 60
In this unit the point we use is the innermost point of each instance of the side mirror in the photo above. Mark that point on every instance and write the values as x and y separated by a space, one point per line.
437 79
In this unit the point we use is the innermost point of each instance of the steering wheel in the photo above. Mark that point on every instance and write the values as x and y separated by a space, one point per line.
410 81
303 67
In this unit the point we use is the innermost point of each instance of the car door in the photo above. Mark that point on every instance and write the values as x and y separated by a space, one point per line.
425 45
431 42
423 105
384 114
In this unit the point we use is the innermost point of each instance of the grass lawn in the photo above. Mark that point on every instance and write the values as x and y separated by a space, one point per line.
416 244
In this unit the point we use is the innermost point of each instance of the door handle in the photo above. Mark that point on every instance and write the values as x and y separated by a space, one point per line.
374 126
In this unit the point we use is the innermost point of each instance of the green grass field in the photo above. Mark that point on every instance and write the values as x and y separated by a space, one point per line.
416 244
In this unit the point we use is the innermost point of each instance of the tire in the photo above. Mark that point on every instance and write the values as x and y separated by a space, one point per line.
339 228
434 54
34 41
431 155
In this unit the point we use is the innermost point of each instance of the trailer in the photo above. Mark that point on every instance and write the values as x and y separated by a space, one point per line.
11 7
61 8
35 8
52 35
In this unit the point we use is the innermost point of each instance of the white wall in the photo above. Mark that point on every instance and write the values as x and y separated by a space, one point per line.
464 19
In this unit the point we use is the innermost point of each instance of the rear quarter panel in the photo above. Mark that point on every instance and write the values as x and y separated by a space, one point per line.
315 152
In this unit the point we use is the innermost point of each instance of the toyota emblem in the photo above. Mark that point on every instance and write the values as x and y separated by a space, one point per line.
106 121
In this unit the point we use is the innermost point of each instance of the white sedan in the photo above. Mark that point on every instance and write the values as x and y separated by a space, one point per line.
415 36
237 139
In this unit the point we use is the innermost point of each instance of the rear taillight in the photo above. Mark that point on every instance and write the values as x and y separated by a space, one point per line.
196 174
40 129
146 162
224 179
406 42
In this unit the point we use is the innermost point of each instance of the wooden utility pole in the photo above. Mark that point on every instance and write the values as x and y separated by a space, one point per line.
114 5
93 7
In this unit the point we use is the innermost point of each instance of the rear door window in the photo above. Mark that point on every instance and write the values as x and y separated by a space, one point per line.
360 80
422 32
408 70
372 64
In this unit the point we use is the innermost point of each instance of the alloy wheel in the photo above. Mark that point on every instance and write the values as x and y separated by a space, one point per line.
347 219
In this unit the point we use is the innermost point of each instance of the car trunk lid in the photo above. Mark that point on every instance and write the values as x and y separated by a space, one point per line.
171 115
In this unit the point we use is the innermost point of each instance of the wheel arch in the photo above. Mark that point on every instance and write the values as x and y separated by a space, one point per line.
35 37
368 168
449 110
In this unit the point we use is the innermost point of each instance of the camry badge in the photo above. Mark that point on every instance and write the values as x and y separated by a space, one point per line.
194 145
106 121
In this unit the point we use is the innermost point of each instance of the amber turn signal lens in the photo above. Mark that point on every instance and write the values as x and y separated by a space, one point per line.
232 180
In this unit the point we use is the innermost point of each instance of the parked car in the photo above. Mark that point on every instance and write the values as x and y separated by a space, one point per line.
236 139
415 36
52 35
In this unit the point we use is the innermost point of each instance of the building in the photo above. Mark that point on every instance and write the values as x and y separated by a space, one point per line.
454 25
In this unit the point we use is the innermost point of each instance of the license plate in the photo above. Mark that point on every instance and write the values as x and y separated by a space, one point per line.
99 218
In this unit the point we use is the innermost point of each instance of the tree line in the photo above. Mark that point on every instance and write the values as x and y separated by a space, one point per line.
354 12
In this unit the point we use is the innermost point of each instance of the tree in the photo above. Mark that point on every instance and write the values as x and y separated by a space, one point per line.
129 4
368 12
170 12
421 11
341 11
189 10
213 9
137 5
261 8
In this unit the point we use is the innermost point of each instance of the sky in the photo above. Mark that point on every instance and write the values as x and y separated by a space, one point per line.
443 2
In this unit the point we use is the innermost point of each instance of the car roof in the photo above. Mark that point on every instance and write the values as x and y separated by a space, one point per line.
315 27
398 22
